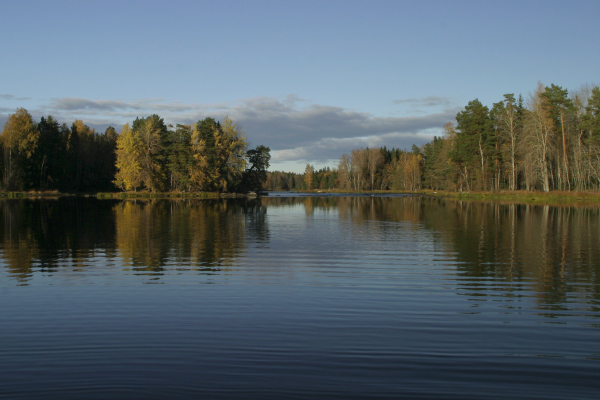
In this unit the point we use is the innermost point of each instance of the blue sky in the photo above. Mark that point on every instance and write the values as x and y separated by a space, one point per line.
310 79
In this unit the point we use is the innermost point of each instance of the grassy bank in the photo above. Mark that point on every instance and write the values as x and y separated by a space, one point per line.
168 195
350 192
535 197
32 194
522 196
123 195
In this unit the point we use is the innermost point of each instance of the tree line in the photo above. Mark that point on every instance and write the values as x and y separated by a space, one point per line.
324 178
550 142
148 155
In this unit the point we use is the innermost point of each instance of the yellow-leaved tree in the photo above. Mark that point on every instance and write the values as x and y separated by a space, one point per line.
308 177
152 133
129 149
232 161
141 160
219 155
20 138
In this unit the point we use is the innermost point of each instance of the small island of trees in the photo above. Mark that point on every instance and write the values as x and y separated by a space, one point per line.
148 155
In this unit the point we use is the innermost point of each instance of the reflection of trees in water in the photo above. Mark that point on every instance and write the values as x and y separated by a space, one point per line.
209 234
43 235
217 234
356 208
141 228
150 236
500 250
20 249
309 205
555 247
256 223
388 209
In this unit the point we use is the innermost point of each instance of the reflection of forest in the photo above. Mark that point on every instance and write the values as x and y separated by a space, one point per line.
45 235
553 248
493 247
557 249
356 208
149 236
206 234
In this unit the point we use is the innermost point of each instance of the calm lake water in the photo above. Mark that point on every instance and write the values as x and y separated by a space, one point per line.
298 297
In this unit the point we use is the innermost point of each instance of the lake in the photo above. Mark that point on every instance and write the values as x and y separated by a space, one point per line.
286 297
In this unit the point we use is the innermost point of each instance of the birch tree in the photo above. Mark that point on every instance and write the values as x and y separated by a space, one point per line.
345 172
359 166
507 115
539 138
374 162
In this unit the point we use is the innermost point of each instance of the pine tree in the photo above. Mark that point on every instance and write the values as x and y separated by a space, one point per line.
473 144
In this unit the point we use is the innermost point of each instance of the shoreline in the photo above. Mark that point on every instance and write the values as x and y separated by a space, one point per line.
519 196
532 197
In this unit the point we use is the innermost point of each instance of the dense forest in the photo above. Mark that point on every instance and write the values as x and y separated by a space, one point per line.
149 155
550 143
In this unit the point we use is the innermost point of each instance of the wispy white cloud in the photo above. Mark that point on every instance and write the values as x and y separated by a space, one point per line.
13 97
73 104
7 110
429 101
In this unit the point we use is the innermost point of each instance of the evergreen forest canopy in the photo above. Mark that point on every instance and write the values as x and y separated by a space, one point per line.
550 143
149 155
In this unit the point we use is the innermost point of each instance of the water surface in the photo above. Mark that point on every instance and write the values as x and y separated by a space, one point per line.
298 297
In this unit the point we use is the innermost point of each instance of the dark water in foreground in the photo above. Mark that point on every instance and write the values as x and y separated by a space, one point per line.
329 297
